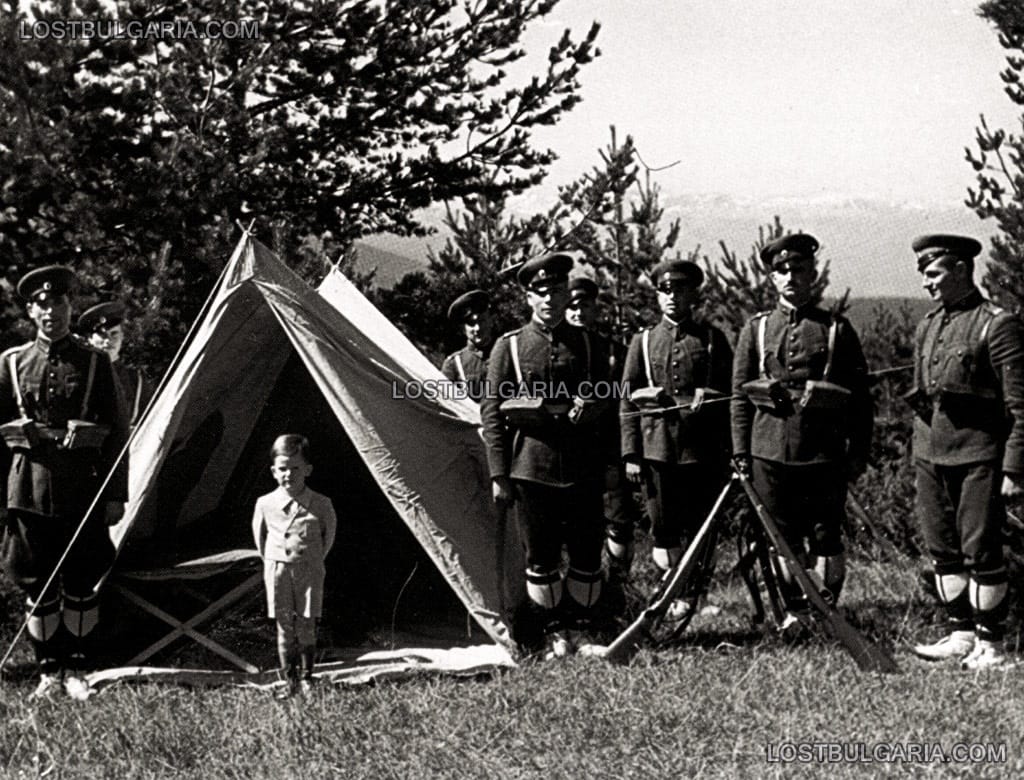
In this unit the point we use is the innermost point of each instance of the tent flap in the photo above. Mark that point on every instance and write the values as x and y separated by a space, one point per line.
271 356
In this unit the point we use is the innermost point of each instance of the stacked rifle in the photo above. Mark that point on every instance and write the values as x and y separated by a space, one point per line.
767 547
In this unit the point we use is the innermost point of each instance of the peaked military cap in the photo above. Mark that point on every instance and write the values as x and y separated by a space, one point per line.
583 287
552 267
48 281
102 315
932 247
473 302
683 270
788 247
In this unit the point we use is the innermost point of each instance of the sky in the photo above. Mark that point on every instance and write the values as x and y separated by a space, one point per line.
847 119
801 99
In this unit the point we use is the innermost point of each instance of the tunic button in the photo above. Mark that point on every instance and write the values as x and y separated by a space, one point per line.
794 337
675 362
935 361
792 353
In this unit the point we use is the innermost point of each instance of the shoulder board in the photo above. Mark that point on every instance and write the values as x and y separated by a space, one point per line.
15 350
993 309
933 312
512 333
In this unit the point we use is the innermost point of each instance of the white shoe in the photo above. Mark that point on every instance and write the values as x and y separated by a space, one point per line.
76 687
957 645
986 655
557 646
48 683
795 626
677 610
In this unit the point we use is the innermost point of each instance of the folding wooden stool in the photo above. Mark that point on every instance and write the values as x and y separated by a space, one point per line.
208 568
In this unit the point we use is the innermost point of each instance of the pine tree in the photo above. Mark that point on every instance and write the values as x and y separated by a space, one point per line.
339 120
999 164
484 241
614 220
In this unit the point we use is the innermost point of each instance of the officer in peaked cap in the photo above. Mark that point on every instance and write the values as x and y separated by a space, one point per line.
683 272
47 282
680 457
930 248
620 509
64 423
583 288
102 316
541 427
802 412
547 269
785 248
472 313
968 447
103 327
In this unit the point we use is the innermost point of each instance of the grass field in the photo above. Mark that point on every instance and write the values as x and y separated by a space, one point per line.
726 701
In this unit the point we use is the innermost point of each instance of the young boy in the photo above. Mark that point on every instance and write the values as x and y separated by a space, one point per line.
294 529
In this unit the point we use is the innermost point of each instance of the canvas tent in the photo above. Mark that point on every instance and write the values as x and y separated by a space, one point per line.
418 537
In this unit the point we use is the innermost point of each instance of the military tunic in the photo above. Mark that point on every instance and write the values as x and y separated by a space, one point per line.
968 431
800 456
684 356
49 487
556 466
556 364
798 338
684 453
135 389
473 363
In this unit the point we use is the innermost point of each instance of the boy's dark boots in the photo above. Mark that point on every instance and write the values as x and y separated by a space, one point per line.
289 673
307 659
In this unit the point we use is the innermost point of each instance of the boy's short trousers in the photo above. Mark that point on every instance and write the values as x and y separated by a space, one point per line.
294 588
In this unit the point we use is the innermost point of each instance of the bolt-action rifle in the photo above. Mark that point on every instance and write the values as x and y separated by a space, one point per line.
626 643
867 655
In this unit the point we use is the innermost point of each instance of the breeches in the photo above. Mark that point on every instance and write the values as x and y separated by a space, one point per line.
549 517
33 544
961 514
679 498
808 502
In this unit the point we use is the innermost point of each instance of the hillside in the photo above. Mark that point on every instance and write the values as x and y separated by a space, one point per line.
863 311
390 257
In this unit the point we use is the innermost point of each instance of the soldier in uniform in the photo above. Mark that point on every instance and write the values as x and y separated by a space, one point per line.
680 455
542 433
468 366
802 414
968 447
65 425
619 507
103 327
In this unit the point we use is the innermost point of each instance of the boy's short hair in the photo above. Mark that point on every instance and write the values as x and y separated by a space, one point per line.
290 444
